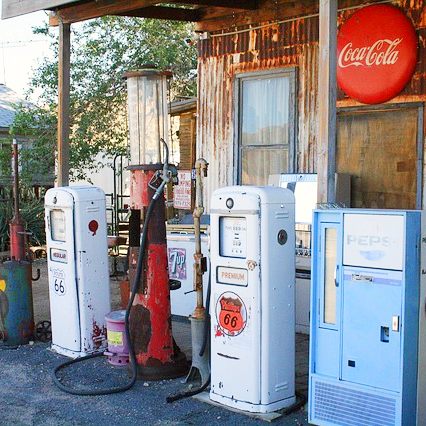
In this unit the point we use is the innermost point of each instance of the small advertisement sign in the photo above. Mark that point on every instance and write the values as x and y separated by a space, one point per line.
177 263
183 191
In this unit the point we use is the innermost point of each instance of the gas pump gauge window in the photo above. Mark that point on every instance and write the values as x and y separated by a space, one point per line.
233 237
57 225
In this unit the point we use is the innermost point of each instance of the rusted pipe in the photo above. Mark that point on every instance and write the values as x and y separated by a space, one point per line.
16 227
15 179
199 266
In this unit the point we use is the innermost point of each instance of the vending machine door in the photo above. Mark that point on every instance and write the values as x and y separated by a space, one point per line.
371 349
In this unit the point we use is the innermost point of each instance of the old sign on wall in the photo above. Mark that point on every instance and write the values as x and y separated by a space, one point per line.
376 54
182 192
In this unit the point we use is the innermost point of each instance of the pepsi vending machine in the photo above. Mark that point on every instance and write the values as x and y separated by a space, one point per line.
367 357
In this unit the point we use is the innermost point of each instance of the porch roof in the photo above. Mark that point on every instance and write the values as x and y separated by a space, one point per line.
70 11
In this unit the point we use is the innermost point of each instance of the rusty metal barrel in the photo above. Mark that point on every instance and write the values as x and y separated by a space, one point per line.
16 303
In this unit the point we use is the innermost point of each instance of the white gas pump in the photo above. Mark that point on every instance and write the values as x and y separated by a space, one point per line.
253 297
77 253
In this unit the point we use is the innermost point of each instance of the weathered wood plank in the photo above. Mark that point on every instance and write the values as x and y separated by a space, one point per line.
12 8
171 13
216 18
96 9
327 88
230 4
64 103
385 173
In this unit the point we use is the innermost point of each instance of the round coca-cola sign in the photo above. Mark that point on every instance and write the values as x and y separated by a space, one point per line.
376 54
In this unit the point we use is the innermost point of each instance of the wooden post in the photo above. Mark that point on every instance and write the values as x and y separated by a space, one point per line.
326 160
63 104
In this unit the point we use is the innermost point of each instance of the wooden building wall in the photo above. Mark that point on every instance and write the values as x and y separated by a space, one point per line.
187 140
291 43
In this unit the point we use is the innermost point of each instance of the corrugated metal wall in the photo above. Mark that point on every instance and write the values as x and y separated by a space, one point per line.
290 44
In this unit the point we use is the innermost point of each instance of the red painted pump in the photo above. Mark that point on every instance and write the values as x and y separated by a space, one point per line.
158 357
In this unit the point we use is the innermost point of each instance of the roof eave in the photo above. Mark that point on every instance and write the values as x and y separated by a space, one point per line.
13 8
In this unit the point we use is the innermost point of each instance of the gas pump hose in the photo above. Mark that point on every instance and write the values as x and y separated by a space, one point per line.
203 387
132 355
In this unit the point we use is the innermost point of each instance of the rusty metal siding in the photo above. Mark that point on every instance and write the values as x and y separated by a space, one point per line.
288 44
221 58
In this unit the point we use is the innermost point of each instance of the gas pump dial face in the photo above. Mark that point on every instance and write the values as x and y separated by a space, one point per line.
233 237
57 224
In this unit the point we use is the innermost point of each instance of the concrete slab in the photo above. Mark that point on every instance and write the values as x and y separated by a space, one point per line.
266 417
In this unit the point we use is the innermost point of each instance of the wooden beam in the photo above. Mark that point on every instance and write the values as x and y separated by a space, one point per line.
215 19
171 13
326 150
231 4
96 9
12 8
64 104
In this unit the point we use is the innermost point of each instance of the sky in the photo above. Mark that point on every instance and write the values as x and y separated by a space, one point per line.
21 50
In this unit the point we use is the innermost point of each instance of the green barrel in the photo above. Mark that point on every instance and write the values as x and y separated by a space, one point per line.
16 303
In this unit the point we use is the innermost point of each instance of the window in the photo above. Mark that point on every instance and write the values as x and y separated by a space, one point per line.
266 125
330 250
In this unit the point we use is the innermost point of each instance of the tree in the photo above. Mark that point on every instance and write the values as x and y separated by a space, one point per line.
102 50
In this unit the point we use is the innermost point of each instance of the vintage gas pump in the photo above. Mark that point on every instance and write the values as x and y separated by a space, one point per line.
157 355
77 260
16 301
253 298
368 340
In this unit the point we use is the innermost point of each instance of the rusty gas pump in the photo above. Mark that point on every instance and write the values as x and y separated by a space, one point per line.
157 355
16 301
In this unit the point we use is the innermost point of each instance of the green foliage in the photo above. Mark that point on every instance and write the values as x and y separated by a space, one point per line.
32 213
102 50
35 128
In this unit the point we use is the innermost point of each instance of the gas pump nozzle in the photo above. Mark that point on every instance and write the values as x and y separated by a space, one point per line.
169 173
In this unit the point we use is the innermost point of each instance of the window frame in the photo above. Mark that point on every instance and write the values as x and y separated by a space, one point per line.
292 128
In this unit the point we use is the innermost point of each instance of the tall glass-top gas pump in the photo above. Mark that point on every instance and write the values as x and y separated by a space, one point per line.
157 355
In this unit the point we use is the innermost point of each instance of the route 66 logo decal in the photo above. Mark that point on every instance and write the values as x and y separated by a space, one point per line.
231 314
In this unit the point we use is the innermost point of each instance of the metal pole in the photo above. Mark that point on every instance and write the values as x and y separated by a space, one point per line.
15 180
16 227
200 170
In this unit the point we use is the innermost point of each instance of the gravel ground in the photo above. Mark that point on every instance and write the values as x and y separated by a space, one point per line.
29 397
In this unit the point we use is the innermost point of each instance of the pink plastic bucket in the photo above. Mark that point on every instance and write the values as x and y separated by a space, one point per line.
118 351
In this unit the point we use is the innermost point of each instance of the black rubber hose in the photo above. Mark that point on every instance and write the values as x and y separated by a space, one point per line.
132 354
173 398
